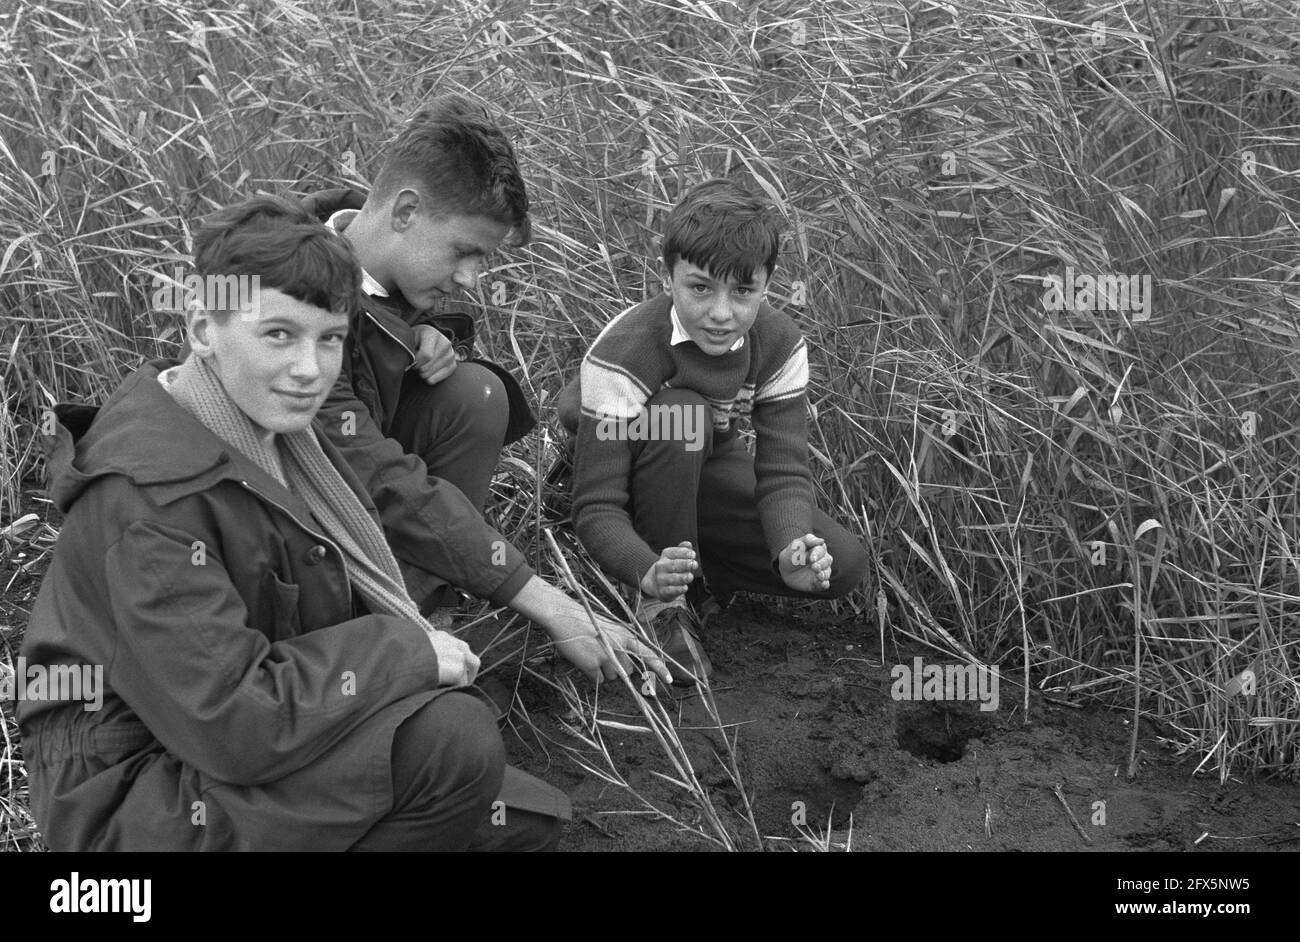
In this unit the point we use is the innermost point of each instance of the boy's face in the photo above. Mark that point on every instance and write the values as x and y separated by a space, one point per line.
431 256
715 313
277 361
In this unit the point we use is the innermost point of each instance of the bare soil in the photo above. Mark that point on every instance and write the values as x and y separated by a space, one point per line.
818 725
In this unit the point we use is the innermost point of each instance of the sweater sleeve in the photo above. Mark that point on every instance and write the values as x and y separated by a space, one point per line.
783 489
603 470
429 523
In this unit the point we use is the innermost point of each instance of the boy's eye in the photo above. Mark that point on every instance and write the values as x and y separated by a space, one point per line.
335 338
277 333
699 289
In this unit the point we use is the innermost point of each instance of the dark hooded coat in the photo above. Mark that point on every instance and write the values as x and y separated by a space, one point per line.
249 698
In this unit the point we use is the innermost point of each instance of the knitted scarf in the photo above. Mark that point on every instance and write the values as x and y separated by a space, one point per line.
297 461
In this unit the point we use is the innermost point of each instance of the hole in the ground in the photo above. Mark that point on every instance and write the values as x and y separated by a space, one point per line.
938 731
823 799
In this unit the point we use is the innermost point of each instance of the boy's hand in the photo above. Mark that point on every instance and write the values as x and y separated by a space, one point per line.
805 564
457 664
672 573
565 620
575 639
435 358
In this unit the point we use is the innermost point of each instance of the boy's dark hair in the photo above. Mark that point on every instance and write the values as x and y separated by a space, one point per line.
285 246
724 228
461 162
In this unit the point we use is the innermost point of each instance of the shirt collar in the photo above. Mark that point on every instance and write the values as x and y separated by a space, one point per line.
338 221
680 335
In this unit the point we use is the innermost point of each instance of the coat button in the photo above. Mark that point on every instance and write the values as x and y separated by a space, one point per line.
316 554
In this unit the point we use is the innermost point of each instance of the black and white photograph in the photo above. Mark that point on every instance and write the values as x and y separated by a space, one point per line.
640 426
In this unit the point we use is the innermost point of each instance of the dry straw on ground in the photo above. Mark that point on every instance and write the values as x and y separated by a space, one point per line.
935 161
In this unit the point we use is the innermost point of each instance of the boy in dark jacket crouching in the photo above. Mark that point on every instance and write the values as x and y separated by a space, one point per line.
415 414
263 679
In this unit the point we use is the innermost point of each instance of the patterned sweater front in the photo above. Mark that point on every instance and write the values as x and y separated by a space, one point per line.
633 358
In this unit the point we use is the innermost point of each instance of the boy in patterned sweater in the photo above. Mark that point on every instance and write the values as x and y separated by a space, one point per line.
665 495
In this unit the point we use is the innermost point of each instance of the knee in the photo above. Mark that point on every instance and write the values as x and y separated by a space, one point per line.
459 734
672 396
674 424
470 406
481 399
473 734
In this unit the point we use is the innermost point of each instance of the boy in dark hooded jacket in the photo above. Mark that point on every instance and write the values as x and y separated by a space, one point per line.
266 682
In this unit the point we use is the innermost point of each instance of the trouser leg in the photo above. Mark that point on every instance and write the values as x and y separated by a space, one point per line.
457 427
732 545
448 764
666 473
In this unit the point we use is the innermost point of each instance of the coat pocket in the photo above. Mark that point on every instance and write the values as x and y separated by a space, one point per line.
280 608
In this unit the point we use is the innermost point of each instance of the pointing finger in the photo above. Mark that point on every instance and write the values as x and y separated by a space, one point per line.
652 661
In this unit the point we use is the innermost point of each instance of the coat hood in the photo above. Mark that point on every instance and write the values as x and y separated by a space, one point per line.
142 433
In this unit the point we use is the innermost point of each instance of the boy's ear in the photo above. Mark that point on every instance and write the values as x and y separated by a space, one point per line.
198 329
404 209
665 276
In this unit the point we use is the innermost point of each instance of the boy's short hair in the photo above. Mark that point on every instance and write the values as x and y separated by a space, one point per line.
287 248
722 227
461 162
